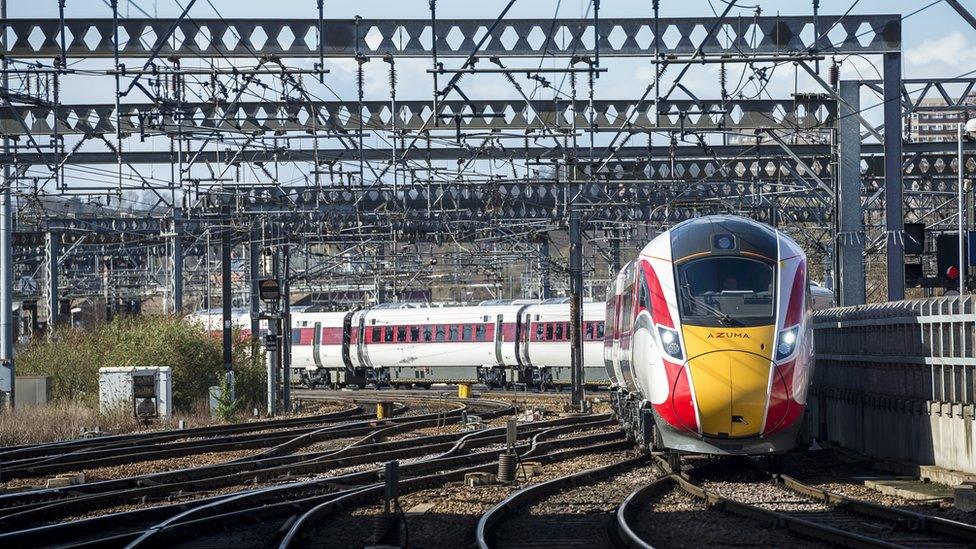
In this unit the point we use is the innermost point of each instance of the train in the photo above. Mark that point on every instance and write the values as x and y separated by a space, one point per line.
498 343
709 346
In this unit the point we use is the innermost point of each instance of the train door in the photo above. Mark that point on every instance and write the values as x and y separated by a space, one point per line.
499 340
346 339
526 338
317 345
361 342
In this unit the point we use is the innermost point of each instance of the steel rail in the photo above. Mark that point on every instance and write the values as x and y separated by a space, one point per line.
318 513
20 507
46 448
182 524
162 483
915 521
809 527
45 512
490 520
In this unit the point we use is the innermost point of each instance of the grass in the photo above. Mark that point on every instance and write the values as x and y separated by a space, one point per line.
68 420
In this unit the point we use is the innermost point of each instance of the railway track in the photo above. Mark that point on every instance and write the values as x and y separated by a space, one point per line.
38 505
44 459
781 501
164 525
573 510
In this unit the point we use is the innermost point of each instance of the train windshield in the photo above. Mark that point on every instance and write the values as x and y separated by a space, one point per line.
726 291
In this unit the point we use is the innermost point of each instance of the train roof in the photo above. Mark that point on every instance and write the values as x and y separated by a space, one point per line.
702 236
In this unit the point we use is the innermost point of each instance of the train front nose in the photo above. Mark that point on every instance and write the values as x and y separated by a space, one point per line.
731 390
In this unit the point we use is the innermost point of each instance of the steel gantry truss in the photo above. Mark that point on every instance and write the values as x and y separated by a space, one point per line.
377 190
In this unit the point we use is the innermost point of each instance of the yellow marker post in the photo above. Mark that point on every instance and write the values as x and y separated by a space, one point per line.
464 390
384 410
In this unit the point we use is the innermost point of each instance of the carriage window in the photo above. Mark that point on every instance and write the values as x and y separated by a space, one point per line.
401 333
559 331
376 335
479 332
454 333
428 333
726 291
548 331
466 333
643 294
599 330
440 333
389 334
589 331
538 332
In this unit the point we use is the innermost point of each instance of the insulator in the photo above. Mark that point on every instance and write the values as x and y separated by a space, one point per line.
723 75
834 74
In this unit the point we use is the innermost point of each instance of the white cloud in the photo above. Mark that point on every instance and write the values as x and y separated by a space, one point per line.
953 50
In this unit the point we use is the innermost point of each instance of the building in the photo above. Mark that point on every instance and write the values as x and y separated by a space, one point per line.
928 125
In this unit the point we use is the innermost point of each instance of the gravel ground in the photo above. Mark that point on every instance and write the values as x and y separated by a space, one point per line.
455 510
679 520
838 473
140 468
577 517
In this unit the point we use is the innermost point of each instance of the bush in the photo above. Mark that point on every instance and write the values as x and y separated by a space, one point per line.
72 357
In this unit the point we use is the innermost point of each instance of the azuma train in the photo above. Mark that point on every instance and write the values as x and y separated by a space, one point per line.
497 343
708 341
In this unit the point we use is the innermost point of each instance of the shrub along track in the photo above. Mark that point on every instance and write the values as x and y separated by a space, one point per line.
176 523
780 501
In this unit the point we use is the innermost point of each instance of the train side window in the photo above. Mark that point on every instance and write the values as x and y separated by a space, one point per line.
466 332
440 333
453 333
401 333
599 330
428 332
559 331
376 335
389 334
479 332
589 331
414 333
548 331
538 332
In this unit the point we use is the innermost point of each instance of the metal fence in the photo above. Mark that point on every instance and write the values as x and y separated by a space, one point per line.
919 350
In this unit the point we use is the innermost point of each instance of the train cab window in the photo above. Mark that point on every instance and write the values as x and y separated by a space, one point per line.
538 332
428 332
453 333
479 332
643 294
376 335
559 331
414 333
548 331
726 291
599 330
401 333
388 335
440 333
466 332
589 331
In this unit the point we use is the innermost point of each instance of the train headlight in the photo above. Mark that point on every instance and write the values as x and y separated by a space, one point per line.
787 342
671 343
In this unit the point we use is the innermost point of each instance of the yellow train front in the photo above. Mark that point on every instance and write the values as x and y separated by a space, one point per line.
708 343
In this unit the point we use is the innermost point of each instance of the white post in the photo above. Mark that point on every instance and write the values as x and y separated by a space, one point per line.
962 214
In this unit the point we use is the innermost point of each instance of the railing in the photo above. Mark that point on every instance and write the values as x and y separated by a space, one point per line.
920 350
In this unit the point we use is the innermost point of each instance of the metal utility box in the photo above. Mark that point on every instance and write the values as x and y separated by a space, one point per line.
145 390
32 390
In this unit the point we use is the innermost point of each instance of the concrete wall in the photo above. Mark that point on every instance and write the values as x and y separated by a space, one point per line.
896 380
